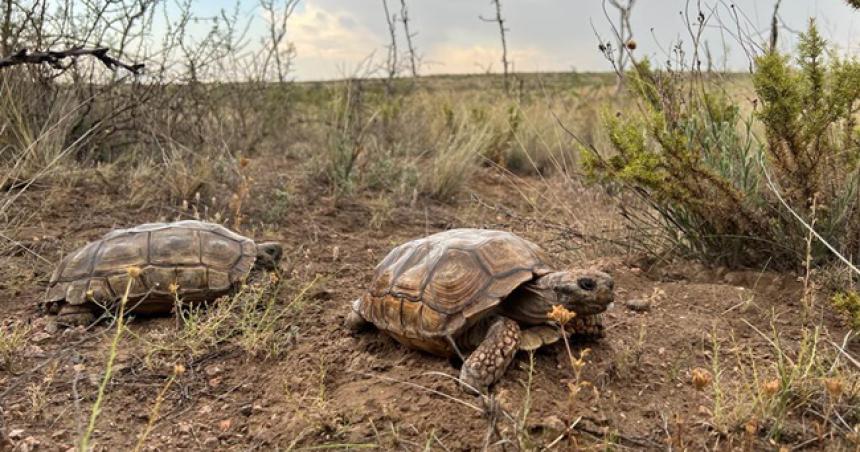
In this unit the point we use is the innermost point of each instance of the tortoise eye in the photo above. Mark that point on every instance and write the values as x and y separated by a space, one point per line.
587 284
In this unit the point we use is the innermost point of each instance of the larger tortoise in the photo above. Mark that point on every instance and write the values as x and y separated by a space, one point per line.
194 260
484 291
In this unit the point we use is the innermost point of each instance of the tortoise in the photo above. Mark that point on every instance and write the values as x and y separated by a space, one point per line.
479 290
194 260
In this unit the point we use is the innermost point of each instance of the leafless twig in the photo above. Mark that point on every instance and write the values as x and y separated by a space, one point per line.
54 58
503 33
413 57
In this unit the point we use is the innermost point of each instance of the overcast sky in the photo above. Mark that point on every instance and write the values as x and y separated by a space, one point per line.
332 37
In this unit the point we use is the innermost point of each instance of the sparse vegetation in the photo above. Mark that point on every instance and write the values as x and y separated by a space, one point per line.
700 164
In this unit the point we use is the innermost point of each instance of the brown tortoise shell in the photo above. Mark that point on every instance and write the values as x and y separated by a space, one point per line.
432 288
204 260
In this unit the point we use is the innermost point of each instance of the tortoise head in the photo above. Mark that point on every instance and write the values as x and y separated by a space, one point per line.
584 292
268 255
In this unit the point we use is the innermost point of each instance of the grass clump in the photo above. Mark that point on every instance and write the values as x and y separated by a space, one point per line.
455 161
12 341
708 172
256 319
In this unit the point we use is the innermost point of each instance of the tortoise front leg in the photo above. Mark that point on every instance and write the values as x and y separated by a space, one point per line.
491 359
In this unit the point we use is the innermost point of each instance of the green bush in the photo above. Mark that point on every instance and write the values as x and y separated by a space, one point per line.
849 303
701 165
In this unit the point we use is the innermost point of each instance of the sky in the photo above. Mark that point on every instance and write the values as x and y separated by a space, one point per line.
333 38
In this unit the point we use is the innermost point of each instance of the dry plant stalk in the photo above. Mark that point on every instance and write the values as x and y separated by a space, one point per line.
133 274
178 370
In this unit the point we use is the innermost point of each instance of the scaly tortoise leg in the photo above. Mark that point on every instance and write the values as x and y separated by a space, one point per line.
75 315
354 320
491 359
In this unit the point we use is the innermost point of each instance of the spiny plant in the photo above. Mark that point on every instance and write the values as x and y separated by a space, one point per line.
713 185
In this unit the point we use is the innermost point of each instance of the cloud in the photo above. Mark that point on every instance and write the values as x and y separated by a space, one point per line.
458 58
329 42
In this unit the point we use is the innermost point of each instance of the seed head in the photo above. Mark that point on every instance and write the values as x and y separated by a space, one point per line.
178 369
769 388
173 288
833 386
631 45
243 162
90 294
751 426
561 314
701 378
134 272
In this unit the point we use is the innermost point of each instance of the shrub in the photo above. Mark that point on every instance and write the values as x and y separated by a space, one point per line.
709 182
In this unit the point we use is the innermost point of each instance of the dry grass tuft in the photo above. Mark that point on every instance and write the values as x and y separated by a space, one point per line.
13 339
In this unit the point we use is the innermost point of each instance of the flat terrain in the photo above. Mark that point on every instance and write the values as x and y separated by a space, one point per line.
322 386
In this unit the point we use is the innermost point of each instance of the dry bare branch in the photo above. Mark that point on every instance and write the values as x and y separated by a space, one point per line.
54 58
413 56
503 34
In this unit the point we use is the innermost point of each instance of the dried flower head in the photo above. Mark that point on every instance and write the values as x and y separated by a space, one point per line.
90 295
561 314
173 288
178 369
134 272
834 386
751 426
701 378
769 388
631 45
243 162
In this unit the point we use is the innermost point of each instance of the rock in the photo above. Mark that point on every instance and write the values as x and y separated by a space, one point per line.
51 326
638 304
734 278
40 337
553 423
34 351
212 370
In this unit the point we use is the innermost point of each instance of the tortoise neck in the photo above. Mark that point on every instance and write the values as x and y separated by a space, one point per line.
529 304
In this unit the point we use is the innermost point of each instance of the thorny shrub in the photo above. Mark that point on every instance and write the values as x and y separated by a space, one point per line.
711 175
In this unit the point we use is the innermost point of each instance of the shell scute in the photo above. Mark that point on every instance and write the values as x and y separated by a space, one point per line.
174 246
218 251
454 281
121 252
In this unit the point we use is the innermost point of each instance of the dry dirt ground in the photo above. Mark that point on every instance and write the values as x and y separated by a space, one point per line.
334 389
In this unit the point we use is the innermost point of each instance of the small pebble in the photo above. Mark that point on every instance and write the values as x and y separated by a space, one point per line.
638 304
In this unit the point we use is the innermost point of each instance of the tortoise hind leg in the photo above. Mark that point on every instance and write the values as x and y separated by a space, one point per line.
354 320
492 357
75 315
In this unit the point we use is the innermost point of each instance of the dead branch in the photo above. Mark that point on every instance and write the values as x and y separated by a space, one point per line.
774 26
503 33
391 67
404 17
624 36
54 58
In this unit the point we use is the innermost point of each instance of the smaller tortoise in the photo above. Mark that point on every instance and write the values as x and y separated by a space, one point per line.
195 260
484 291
